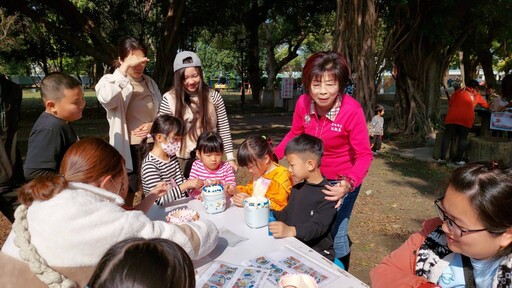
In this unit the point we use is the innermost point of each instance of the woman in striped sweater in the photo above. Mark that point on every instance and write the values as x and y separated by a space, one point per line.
200 108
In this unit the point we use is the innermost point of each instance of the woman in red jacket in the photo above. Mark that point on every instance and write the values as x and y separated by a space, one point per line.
470 242
459 120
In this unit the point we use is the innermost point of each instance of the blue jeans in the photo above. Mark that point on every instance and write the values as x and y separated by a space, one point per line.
339 231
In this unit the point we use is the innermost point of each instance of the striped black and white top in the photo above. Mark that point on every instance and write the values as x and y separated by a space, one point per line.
222 118
156 170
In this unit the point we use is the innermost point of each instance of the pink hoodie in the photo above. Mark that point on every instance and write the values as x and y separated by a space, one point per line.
346 142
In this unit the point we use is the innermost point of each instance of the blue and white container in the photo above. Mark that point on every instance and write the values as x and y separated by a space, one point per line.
214 198
256 211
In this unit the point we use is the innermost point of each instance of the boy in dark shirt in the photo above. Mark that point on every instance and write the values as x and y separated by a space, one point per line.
308 216
52 135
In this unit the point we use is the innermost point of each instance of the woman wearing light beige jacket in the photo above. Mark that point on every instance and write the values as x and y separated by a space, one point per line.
132 100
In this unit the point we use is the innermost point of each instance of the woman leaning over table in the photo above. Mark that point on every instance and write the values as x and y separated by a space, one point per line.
201 109
132 100
326 112
66 222
468 245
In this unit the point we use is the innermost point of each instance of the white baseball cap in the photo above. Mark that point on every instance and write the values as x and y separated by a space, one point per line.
180 58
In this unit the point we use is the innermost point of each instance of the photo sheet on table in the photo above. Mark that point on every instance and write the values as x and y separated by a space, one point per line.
265 270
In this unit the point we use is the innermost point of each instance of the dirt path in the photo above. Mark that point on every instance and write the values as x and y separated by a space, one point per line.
397 195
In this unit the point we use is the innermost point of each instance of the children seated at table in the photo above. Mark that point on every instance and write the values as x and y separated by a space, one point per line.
66 222
308 216
160 162
209 165
51 134
469 242
257 154
137 262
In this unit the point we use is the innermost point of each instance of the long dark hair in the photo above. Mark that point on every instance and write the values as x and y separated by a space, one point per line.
138 262
183 100
489 189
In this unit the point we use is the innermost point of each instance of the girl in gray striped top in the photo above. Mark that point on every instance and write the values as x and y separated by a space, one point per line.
160 163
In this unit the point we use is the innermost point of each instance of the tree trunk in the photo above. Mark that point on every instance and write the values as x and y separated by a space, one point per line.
470 66
485 59
355 39
164 72
417 91
253 67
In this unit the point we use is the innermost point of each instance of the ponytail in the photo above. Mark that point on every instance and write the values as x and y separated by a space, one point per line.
41 188
255 147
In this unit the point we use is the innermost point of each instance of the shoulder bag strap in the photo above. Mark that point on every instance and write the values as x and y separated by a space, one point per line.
469 278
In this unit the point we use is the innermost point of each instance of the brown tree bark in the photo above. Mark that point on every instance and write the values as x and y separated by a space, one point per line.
355 39
163 74
485 58
252 19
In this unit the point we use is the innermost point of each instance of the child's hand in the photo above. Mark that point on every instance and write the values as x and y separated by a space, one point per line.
230 189
159 190
238 199
194 184
281 230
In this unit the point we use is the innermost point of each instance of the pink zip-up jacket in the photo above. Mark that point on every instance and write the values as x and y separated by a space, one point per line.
346 142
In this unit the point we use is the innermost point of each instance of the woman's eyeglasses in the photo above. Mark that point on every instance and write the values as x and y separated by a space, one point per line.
454 227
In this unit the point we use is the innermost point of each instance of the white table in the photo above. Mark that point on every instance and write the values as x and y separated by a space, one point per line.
258 243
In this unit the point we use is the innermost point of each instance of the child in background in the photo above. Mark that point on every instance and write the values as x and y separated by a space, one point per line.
257 154
308 216
160 162
52 135
377 128
137 262
209 165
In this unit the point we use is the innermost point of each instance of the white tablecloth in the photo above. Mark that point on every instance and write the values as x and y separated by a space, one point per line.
258 241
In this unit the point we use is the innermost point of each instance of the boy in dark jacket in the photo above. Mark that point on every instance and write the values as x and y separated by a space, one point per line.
308 216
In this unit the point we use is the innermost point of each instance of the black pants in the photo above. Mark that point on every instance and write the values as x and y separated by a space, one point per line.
134 176
377 142
451 133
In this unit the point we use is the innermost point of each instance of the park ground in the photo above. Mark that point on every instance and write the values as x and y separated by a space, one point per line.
396 196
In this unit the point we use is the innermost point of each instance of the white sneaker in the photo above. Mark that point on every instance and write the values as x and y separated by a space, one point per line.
441 161
460 163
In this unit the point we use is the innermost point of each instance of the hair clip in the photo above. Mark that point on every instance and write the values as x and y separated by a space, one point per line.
264 137
149 136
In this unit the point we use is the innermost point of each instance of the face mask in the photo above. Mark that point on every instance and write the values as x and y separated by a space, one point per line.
171 147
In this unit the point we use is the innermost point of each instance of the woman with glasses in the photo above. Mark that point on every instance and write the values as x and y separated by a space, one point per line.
468 245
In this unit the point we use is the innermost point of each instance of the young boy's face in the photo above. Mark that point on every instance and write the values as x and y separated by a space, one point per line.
70 107
298 167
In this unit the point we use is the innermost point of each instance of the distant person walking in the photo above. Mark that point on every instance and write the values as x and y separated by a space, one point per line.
459 120
377 128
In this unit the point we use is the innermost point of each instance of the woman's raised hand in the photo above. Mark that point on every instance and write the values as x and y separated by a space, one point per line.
131 61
